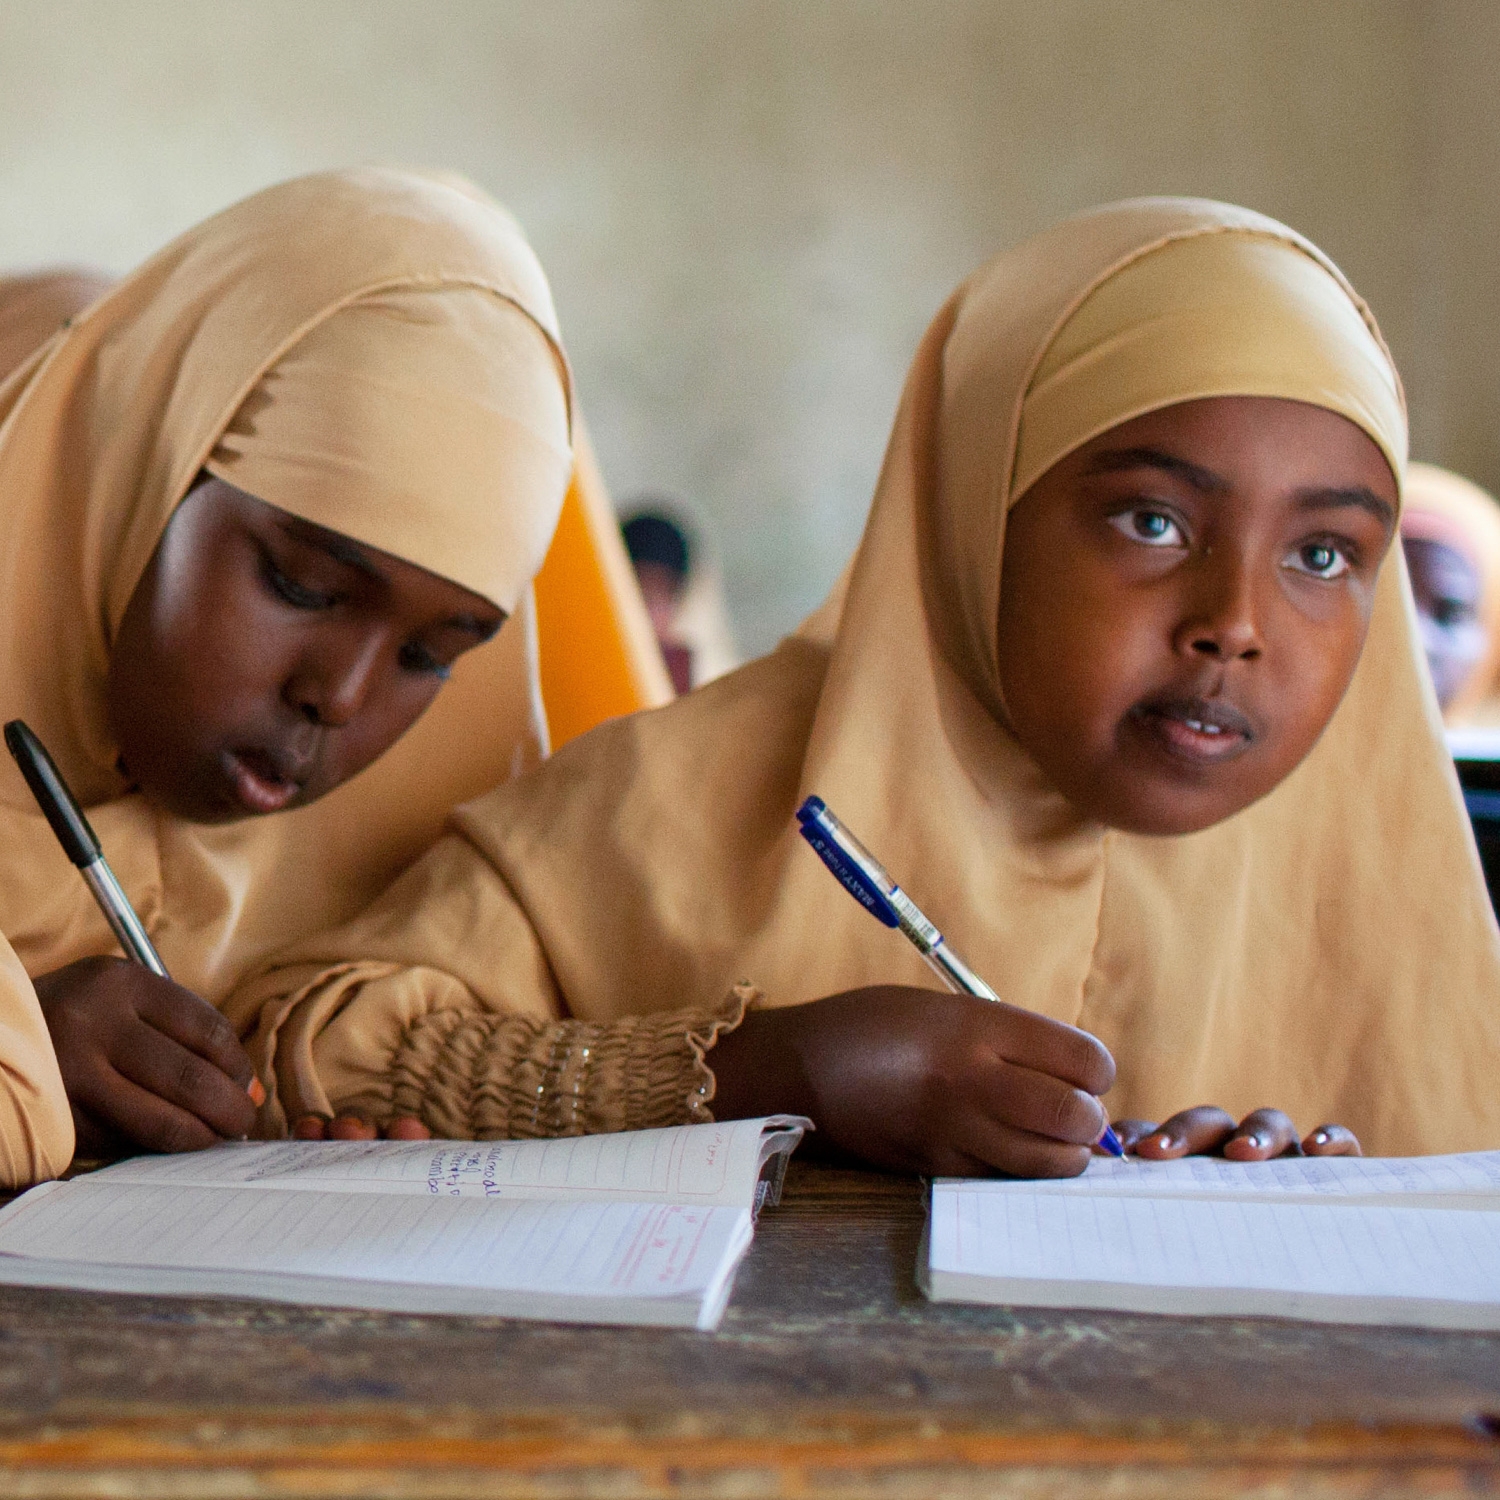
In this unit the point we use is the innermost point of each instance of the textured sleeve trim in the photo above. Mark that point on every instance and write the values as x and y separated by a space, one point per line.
489 1077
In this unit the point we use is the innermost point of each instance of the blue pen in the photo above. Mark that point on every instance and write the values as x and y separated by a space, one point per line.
864 877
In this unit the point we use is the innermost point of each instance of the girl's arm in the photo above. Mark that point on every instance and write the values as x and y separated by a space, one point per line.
36 1126
440 1005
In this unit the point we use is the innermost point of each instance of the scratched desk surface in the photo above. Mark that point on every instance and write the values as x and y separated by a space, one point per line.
831 1376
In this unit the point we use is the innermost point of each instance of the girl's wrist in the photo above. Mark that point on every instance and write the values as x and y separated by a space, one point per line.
757 1068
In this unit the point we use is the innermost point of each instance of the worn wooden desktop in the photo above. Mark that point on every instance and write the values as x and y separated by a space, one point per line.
830 1377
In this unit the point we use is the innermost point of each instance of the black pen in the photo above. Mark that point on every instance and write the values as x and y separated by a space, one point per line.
80 843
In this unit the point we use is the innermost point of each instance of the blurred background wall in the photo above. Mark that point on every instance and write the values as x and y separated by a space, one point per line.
750 208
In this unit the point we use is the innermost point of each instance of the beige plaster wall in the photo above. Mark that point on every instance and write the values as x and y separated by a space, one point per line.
749 208
1454 369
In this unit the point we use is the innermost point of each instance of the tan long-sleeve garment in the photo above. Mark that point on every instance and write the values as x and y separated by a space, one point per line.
36 1126
1329 950
373 350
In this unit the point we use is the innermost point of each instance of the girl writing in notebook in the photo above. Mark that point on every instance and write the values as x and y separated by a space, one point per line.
259 499
1122 687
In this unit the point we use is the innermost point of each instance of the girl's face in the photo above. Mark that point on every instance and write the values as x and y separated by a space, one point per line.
1446 587
263 660
1184 601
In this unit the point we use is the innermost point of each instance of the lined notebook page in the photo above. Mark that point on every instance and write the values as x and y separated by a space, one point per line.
1031 1244
609 1250
692 1164
1473 1174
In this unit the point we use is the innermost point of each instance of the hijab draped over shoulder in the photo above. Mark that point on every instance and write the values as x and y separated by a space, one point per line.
374 351
1330 950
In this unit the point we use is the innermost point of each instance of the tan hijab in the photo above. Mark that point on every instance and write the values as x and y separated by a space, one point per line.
1440 506
373 350
1330 951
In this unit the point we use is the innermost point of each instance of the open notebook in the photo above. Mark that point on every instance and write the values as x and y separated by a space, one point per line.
1409 1240
645 1226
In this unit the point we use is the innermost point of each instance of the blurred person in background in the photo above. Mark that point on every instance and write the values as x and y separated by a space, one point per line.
684 593
1450 533
35 304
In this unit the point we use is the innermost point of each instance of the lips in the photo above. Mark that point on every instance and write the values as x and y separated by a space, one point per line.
262 782
1199 730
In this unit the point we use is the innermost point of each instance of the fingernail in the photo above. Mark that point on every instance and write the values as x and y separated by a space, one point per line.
1165 1142
1255 1142
1320 1137
257 1092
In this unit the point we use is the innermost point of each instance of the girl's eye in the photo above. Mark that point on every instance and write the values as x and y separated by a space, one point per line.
416 658
289 591
1450 613
1152 528
1320 559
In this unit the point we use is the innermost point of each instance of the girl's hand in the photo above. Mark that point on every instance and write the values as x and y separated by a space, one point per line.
1204 1131
917 1081
147 1064
357 1128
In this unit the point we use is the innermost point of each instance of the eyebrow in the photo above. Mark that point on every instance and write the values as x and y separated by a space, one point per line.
352 555
1115 460
1356 496
339 548
1329 497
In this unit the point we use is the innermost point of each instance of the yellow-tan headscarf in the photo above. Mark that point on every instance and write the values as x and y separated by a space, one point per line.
1444 507
1330 950
373 350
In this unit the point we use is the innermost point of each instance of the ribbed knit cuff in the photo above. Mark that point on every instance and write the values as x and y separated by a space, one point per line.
496 1077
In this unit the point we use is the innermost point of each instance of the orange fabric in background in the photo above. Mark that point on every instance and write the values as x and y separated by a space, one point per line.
599 658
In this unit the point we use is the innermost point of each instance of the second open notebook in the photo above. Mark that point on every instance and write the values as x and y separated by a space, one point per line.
641 1227
1410 1240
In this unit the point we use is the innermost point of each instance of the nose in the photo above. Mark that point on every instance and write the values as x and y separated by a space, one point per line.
331 685
1222 620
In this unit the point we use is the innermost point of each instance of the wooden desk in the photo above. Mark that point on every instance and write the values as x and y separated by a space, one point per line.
831 1377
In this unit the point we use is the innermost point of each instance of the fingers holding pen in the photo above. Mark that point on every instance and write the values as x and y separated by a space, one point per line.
1037 1104
149 1061
984 1147
1046 1046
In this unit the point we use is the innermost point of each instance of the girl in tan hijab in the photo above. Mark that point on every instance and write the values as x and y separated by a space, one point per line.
1450 534
259 499
1122 686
